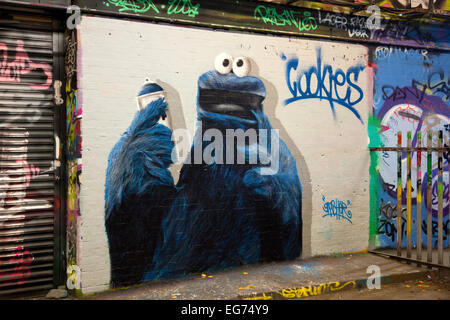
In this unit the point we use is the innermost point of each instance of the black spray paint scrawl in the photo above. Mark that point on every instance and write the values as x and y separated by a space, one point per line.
220 213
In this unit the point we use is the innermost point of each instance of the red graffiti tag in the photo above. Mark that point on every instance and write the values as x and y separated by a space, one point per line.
411 114
22 65
21 262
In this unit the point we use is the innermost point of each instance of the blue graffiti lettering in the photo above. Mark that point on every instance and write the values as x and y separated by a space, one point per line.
324 75
338 209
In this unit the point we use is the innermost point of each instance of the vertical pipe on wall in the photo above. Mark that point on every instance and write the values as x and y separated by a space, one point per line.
408 196
429 195
440 205
399 194
419 197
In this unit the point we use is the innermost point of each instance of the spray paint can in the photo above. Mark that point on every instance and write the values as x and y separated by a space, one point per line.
150 92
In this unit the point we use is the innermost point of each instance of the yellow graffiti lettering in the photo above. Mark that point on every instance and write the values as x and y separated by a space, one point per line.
263 297
315 290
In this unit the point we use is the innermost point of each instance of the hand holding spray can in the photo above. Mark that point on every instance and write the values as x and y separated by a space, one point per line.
150 92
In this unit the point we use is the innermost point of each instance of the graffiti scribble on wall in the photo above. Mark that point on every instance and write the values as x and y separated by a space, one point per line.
337 209
416 103
20 263
321 82
313 21
288 17
139 6
219 214
387 224
184 7
20 171
403 4
12 71
74 114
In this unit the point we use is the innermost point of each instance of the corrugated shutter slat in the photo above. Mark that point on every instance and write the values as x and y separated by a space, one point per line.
27 154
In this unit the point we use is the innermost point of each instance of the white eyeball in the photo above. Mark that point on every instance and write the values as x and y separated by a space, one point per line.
241 66
223 63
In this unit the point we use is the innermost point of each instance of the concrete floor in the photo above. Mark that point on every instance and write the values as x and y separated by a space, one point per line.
427 289
269 279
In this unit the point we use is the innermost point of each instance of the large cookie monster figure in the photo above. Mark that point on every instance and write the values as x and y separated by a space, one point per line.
219 214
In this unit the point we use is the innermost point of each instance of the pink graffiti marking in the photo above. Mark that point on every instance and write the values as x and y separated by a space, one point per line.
7 180
22 65
30 171
21 261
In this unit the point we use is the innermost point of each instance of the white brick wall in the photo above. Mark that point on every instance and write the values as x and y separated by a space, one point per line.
332 156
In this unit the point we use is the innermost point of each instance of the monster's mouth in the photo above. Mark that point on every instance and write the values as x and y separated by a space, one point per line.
229 102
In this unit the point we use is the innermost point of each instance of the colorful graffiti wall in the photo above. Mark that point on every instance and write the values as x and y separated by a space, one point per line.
74 158
424 4
315 19
411 93
218 204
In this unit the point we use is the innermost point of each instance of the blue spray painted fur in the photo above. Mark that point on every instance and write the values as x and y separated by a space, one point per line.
218 215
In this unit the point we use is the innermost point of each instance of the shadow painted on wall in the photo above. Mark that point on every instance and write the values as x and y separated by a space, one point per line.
176 118
270 105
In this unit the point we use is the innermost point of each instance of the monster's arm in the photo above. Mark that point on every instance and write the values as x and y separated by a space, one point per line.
139 188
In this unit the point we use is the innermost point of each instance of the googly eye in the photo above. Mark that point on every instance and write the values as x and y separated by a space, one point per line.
223 63
241 66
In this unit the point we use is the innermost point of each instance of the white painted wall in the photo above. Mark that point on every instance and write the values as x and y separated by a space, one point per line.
332 157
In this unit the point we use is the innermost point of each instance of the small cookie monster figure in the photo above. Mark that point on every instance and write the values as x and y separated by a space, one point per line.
221 213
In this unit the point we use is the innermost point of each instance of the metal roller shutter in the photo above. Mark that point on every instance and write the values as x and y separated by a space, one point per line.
29 183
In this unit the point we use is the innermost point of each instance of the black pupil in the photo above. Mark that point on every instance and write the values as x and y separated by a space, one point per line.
240 63
226 62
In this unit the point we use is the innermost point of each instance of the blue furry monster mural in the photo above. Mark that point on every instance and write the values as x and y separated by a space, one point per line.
219 214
